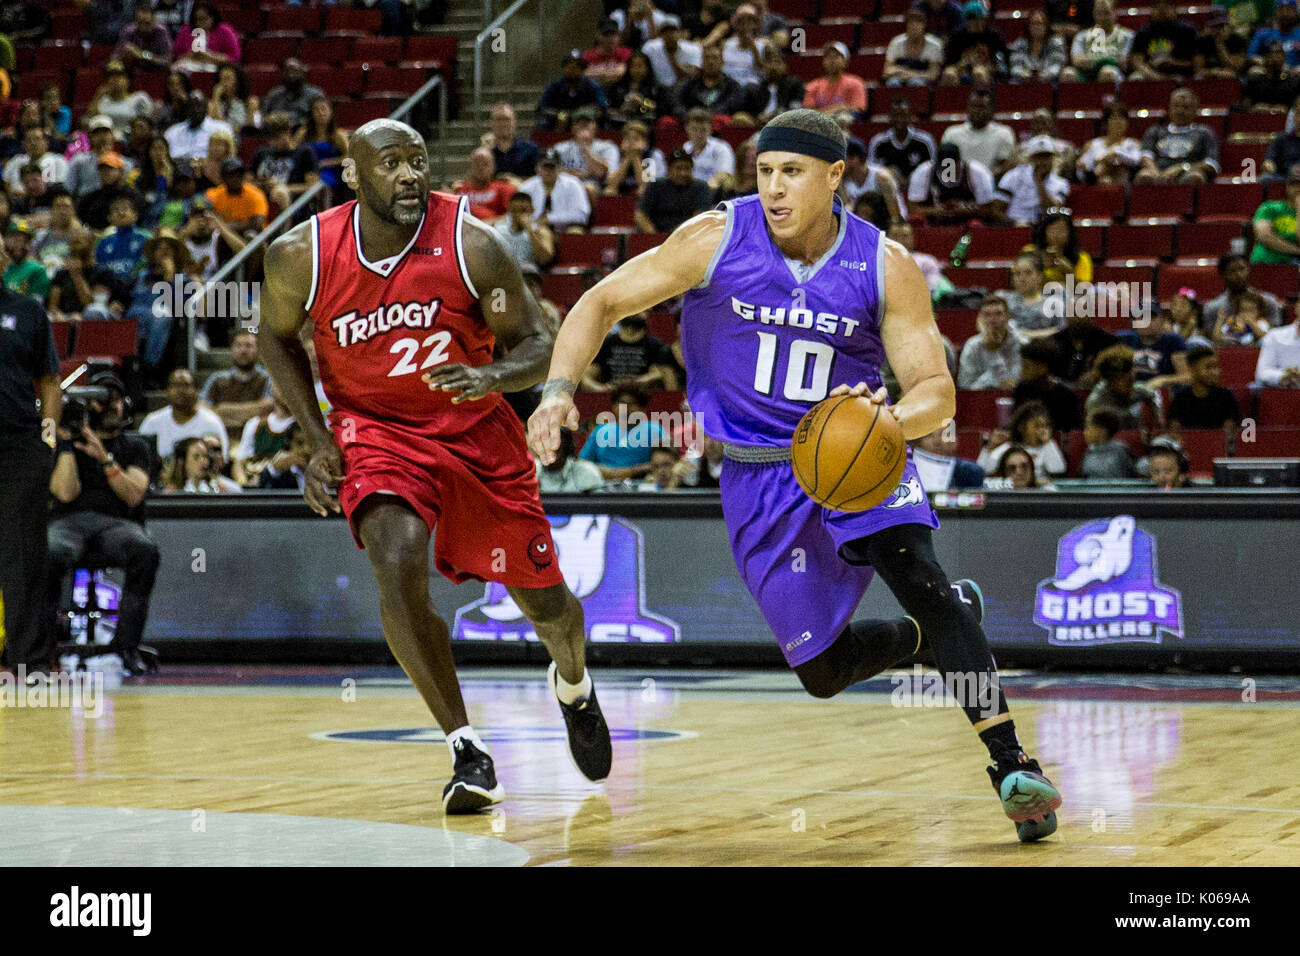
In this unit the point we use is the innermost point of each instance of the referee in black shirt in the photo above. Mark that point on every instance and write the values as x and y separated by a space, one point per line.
28 364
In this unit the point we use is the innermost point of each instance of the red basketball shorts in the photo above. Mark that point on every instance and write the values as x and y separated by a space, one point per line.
476 490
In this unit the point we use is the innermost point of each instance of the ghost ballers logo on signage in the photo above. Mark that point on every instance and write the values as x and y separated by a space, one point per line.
602 560
1105 590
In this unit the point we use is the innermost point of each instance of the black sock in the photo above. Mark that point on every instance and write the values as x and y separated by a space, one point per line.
1001 737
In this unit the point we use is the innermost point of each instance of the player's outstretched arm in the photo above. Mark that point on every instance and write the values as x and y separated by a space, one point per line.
914 348
643 282
283 313
512 314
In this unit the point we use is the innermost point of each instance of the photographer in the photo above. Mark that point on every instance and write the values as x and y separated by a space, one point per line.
27 355
99 484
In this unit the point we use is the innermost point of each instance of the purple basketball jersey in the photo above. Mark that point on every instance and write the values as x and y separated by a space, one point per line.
763 345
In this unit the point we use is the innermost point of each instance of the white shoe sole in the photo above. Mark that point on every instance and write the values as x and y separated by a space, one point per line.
468 798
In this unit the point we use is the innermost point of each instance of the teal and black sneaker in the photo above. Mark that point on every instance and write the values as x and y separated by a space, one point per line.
1028 797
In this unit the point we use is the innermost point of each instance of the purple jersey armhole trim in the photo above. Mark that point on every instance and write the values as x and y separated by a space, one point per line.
722 246
880 285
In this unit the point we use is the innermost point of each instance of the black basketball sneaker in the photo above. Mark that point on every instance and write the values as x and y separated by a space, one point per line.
1028 797
589 746
474 785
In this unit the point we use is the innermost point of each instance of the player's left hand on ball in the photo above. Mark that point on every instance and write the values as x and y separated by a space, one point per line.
880 396
469 381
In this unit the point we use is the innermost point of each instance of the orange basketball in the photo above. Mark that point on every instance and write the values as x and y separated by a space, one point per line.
848 453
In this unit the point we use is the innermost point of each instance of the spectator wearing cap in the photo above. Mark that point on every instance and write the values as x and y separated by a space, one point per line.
673 56
1275 87
293 95
711 90
83 169
742 52
1284 150
1039 55
1279 357
1069 17
242 205
115 99
281 170
94 207
189 138
570 92
36 146
976 53
861 176
712 158
488 195
532 242
166 259
208 237
777 92
667 203
206 42
1220 51
943 18
559 199
842 95
146 44
1286 32
23 275
950 189
514 159
584 156
122 249
902 147
1165 48
36 198
1100 52
82 282
1112 158
607 60
980 139
1235 271
914 57
1179 150
1033 187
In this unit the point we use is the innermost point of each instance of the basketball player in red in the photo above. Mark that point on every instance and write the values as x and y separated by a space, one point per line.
407 294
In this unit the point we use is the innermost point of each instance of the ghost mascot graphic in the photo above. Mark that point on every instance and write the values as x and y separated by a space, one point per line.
602 560
1106 590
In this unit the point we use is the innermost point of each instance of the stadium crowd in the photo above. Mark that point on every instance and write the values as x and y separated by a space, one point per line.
1023 155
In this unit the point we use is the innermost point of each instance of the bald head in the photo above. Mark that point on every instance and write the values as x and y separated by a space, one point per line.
482 167
388 166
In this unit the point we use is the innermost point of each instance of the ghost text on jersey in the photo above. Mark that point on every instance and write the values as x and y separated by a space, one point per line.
353 327
827 322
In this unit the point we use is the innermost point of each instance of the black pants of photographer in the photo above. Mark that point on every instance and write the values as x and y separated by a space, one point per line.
24 501
117 543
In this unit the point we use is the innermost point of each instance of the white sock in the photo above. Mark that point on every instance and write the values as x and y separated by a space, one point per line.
465 733
568 693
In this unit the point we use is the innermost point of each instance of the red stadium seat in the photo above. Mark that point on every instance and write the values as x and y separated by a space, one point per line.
99 54
1130 275
1271 443
299 20
1206 240
894 10
339 82
875 35
28 86
818 36
957 324
264 78
441 48
663 326
62 56
377 50
807 67
349 114
1202 446
106 337
577 249
1269 123
1227 202
62 337
665 401
1139 244
398 81
969 443
68 25
1092 240
614 211
950 102
1241 160
869 66
881 97
591 404
562 288
1279 407
1217 93
797 9
1151 95
269 50
1204 279
350 21
1076 129
1161 203
978 408
1097 203
639 242
967 277
1237 366
938 241
843 10
1282 281
326 49
246 20
1001 244
1024 98
1083 97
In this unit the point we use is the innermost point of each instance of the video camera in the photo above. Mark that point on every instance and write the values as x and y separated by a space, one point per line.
78 411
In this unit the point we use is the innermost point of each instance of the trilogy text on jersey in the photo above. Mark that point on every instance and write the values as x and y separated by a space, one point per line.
352 327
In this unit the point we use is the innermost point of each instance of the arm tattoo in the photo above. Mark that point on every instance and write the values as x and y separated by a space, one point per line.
555 386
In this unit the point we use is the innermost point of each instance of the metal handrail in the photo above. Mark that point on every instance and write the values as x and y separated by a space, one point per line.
286 217
487 31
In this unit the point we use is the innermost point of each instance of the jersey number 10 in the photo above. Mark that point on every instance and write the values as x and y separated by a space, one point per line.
796 370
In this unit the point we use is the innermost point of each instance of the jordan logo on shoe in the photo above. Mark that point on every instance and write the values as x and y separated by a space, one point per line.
961 594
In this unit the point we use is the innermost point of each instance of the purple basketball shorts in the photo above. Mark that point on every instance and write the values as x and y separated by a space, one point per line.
787 550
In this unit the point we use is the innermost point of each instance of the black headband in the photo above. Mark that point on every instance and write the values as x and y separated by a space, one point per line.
788 139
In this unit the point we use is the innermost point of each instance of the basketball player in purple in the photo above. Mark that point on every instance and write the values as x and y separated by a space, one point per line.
789 298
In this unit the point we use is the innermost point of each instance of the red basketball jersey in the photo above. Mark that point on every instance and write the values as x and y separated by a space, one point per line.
379 326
